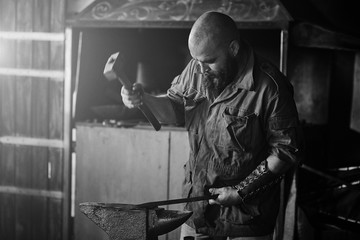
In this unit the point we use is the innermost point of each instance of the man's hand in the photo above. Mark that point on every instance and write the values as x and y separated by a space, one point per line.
227 196
132 98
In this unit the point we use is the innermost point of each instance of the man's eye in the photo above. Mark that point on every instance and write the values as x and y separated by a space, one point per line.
211 61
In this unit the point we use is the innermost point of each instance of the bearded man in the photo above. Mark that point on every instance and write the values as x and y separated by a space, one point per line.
243 129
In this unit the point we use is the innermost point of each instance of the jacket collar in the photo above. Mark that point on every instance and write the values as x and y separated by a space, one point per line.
245 78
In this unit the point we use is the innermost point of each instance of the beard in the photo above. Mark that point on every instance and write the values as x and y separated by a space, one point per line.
215 82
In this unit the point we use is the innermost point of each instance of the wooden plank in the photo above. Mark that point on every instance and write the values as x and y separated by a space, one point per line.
7 201
36 36
32 141
355 108
38 73
24 161
179 154
31 192
118 165
55 220
56 156
40 121
7 121
23 206
55 224
59 224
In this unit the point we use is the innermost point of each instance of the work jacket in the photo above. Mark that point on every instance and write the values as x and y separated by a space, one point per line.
254 116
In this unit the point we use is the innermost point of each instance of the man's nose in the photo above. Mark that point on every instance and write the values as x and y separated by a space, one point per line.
203 67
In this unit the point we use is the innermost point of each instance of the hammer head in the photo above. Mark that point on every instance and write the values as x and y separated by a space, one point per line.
114 70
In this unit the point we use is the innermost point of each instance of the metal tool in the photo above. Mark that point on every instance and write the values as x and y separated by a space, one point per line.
114 71
176 201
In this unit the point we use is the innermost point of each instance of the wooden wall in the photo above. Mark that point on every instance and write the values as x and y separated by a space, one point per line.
33 170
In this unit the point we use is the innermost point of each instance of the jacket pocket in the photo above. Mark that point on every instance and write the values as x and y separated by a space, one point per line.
237 130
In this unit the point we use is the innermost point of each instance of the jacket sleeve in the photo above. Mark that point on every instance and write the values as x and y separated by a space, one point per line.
283 130
178 89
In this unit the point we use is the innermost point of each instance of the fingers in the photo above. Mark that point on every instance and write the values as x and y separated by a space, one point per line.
215 191
227 196
213 202
132 98
137 87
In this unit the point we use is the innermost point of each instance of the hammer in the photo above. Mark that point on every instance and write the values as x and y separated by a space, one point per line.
114 70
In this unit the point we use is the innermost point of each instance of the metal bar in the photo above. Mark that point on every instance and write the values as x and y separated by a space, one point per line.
31 192
29 141
176 201
329 177
344 169
37 73
280 225
36 36
284 35
355 103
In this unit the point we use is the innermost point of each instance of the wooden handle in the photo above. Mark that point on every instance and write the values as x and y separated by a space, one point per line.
150 116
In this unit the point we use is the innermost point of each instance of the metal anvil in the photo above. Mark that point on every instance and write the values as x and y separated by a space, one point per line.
133 222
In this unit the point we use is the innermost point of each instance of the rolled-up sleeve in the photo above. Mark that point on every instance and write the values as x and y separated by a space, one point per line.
178 89
175 94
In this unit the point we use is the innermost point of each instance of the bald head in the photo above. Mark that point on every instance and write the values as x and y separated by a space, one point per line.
213 28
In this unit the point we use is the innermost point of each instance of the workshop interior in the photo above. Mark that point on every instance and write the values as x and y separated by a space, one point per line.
75 163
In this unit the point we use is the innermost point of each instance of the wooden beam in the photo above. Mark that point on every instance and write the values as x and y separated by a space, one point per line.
67 120
33 36
31 192
27 141
38 73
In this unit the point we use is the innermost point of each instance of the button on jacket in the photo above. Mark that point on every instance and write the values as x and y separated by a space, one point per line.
254 116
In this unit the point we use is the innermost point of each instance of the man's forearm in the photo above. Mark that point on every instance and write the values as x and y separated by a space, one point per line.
161 107
268 173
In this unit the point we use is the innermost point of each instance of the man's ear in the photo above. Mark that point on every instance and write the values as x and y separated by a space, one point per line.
234 48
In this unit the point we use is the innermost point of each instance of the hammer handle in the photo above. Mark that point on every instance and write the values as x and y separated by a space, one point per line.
143 108
150 116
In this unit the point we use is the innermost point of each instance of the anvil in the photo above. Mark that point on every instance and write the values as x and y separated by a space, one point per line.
138 222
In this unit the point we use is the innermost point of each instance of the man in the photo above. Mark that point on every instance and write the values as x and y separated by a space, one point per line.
243 131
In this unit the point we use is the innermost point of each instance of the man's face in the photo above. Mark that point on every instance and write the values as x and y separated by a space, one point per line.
215 63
